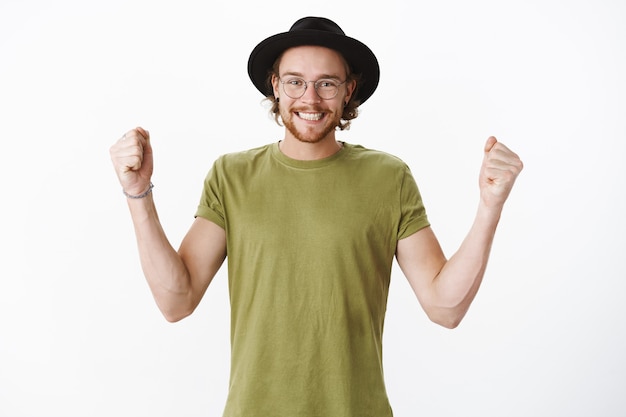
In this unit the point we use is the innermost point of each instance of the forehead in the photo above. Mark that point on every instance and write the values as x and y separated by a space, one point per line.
313 61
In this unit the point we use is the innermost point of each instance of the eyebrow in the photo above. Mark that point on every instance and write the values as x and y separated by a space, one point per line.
322 77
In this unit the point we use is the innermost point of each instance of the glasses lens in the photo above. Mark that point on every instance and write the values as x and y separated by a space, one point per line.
294 87
327 89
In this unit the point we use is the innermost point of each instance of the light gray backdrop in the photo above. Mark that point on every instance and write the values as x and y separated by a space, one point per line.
79 332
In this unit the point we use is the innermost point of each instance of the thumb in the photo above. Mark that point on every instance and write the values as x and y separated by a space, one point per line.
147 147
143 132
490 143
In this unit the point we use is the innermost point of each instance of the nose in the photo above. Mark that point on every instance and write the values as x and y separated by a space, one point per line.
310 94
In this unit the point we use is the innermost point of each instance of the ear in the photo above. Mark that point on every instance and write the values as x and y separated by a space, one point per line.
275 84
350 87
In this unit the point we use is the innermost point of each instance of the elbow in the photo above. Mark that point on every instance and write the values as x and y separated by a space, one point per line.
175 308
448 318
173 318
448 323
174 315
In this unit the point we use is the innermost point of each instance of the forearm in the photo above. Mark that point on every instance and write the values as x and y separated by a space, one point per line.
165 272
457 283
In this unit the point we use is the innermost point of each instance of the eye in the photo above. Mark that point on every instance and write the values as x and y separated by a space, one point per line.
326 83
295 82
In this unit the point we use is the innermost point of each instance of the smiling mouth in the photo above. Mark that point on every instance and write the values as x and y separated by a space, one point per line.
310 116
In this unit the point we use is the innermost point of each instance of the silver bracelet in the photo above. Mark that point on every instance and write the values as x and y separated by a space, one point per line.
142 195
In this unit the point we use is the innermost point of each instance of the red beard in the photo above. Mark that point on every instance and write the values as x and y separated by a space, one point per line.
311 134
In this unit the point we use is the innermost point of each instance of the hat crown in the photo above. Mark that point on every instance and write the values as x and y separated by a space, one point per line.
316 23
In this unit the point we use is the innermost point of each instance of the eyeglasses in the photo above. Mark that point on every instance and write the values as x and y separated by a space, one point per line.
326 88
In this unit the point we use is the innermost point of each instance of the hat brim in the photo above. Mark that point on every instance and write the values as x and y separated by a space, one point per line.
360 58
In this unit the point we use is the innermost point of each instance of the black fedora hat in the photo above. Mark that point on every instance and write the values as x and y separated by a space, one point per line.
317 31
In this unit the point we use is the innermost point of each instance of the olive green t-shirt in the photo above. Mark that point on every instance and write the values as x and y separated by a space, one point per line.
310 247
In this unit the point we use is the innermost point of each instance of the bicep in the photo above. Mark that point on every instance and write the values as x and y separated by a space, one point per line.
203 251
420 258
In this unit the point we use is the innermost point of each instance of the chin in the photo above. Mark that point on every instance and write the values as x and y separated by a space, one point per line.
309 136
312 137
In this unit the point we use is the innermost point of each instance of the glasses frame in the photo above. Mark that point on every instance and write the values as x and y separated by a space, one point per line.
306 85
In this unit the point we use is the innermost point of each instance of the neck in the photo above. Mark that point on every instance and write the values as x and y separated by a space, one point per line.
309 151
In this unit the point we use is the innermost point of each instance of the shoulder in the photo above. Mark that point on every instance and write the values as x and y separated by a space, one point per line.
244 158
376 158
247 155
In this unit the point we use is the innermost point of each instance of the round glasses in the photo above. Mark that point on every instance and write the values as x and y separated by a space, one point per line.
326 88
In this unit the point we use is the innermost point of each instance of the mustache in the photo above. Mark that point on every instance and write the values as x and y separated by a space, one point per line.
309 110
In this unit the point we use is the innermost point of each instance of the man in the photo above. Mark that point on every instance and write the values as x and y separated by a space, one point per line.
310 226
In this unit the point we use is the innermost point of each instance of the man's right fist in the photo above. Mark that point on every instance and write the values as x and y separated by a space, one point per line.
132 159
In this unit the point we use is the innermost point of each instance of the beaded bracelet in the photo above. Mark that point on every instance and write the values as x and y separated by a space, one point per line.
142 195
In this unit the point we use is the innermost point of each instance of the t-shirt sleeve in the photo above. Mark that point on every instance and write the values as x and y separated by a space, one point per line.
412 210
211 202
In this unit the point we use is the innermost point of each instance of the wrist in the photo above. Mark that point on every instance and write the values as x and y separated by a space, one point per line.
489 213
147 192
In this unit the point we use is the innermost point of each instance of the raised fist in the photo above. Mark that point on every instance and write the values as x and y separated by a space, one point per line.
500 168
132 159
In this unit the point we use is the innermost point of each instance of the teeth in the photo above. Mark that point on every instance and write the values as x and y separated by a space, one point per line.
311 116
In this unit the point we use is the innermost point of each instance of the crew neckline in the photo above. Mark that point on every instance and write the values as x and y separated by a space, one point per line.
309 164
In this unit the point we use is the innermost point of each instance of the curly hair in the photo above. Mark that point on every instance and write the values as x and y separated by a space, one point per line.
350 110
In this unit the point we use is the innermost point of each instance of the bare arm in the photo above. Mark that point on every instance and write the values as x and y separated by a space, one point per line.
446 288
177 280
